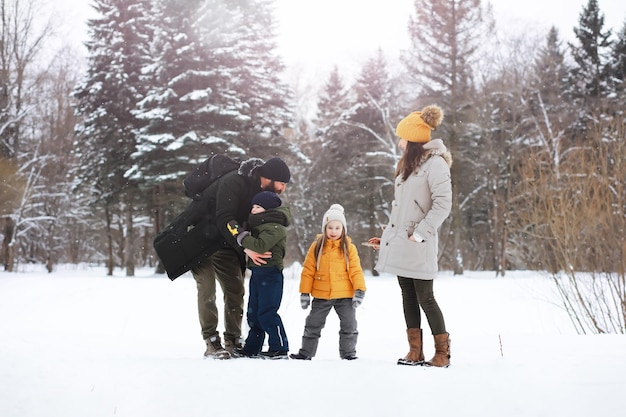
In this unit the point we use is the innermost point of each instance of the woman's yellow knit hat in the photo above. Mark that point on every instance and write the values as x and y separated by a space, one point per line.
416 127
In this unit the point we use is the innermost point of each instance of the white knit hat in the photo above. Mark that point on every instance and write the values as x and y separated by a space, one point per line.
335 212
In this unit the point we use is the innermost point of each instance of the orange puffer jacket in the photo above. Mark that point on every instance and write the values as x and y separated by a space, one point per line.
333 279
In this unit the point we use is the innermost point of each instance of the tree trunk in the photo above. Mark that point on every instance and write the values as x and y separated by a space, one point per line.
130 247
8 226
50 248
110 262
158 222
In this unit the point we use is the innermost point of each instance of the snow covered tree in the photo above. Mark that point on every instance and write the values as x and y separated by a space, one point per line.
540 127
188 112
550 114
356 149
333 101
618 70
332 106
493 144
255 76
51 213
21 42
214 87
371 142
118 50
589 81
185 113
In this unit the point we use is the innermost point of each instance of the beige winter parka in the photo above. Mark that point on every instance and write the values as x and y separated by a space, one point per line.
421 203
334 279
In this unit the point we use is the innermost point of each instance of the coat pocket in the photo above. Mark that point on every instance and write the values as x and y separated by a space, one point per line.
408 254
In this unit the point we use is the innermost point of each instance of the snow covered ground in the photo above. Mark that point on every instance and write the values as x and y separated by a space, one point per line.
77 343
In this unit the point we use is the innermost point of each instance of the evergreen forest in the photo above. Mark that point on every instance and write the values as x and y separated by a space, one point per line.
93 152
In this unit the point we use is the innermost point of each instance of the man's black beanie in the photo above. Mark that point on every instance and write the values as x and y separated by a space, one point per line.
276 170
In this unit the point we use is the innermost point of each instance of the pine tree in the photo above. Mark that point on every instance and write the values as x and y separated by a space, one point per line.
324 150
189 111
550 75
256 70
106 97
544 134
356 148
372 142
590 76
332 106
618 70
549 115
214 88
333 101
445 37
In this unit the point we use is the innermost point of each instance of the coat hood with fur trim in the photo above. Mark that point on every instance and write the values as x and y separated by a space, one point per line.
437 147
247 167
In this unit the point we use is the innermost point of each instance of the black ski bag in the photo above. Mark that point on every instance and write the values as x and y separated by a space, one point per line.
193 236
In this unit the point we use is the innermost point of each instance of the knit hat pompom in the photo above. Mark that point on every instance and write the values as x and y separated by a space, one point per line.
432 115
335 212
416 127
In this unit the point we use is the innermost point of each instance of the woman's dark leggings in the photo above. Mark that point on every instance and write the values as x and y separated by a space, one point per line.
418 293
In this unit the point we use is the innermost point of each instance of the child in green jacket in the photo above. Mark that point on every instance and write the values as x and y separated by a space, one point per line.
268 222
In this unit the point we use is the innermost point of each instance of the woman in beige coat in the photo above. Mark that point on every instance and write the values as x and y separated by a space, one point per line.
409 243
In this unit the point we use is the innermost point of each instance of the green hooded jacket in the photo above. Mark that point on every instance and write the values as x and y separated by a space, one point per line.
268 232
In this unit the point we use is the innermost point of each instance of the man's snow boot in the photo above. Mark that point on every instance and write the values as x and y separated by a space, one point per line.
214 348
232 344
442 351
416 353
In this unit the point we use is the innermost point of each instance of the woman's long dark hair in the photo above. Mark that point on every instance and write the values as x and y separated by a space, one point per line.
410 160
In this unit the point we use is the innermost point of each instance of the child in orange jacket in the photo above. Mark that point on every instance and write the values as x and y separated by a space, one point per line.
332 274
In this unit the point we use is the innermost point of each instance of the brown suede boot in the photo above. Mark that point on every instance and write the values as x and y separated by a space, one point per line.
416 353
214 348
442 351
232 344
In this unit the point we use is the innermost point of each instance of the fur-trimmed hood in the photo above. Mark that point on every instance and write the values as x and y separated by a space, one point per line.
247 167
436 147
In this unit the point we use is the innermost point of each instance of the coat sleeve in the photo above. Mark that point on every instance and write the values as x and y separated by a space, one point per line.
267 238
356 272
441 196
229 201
308 271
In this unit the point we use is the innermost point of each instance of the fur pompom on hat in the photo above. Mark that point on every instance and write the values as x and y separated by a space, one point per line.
267 200
335 212
276 170
416 127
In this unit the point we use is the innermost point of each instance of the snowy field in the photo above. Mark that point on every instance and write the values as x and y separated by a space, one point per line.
77 343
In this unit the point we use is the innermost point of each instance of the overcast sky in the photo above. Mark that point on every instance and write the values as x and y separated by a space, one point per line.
314 35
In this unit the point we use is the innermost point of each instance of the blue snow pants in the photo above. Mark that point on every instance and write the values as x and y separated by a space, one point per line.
266 293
